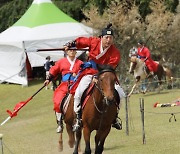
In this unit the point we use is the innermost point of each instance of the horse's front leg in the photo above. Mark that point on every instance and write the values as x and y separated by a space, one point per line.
87 134
60 142
77 143
97 139
100 139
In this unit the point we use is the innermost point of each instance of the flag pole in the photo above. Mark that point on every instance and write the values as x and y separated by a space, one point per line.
7 119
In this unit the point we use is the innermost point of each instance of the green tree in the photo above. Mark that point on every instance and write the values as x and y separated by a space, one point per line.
172 5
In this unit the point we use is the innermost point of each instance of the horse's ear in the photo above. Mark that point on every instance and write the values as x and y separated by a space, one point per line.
99 67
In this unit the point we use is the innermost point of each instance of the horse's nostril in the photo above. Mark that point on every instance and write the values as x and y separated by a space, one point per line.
110 100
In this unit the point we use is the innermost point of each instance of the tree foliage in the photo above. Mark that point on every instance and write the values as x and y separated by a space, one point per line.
161 28
11 11
154 20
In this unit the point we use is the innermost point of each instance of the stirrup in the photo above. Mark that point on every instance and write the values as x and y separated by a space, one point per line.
117 124
59 129
77 125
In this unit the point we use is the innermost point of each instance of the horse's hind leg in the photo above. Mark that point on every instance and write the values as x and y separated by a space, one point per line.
60 142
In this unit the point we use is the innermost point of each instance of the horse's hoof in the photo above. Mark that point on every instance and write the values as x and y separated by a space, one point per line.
71 144
60 149
60 146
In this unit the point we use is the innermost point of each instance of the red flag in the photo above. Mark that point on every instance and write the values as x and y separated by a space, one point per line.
17 108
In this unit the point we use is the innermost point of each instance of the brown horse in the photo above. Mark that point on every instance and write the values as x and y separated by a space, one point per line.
99 111
138 68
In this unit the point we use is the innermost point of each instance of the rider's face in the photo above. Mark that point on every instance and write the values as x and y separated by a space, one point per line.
140 45
71 53
107 40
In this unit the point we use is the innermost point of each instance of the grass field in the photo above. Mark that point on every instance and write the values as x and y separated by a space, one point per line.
33 130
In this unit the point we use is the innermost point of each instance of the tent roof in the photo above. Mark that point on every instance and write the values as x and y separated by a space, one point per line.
43 21
38 14
42 26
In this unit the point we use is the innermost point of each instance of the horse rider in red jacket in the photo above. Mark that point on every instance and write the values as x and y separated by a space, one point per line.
145 55
101 51
68 67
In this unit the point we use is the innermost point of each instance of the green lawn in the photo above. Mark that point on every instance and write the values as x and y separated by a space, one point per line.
33 130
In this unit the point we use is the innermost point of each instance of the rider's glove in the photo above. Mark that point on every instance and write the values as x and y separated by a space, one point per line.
70 44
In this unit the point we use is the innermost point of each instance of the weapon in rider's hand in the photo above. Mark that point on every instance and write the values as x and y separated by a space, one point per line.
60 49
19 105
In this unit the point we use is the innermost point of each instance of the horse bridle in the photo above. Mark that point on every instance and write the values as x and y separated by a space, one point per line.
101 90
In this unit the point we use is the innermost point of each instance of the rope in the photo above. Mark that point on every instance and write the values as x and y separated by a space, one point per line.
7 148
162 112
1 81
171 113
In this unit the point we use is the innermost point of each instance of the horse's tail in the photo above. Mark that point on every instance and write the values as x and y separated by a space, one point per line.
168 76
168 73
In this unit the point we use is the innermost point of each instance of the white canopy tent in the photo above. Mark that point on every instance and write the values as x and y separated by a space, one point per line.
42 26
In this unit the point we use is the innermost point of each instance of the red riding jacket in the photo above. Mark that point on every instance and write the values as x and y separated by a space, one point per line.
110 57
144 54
63 66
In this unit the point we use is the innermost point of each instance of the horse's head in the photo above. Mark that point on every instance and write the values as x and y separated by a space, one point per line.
133 63
106 81
137 67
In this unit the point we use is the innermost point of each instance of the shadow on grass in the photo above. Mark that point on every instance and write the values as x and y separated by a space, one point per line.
113 148
156 93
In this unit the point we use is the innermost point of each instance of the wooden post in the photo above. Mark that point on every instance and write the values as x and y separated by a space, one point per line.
1 144
126 109
142 119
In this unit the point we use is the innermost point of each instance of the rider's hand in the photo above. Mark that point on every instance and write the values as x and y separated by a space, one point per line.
95 80
46 82
74 74
69 45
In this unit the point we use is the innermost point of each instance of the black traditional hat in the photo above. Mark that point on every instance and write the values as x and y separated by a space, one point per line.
141 42
108 30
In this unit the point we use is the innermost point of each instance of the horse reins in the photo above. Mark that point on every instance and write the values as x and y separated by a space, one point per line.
105 98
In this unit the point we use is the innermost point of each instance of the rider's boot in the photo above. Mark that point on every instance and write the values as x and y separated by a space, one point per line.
59 118
78 123
117 123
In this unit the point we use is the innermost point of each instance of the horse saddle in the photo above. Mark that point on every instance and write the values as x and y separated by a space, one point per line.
66 100
87 93
65 103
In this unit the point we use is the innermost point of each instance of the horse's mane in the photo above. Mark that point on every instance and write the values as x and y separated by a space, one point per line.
105 68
